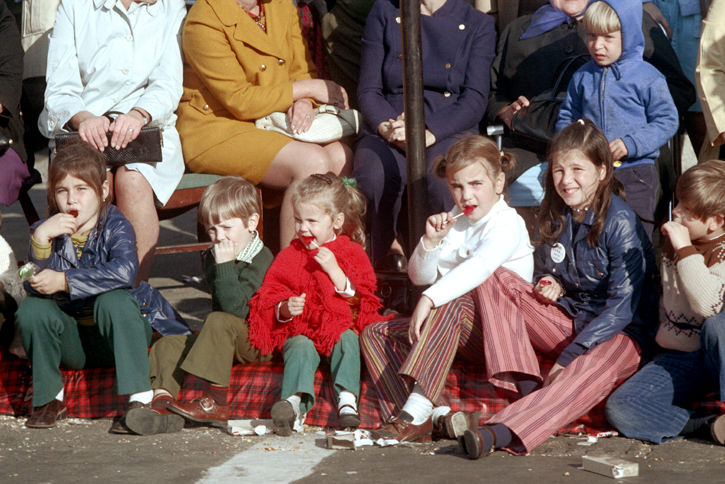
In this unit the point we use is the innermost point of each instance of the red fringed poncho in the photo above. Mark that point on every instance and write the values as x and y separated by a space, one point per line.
326 314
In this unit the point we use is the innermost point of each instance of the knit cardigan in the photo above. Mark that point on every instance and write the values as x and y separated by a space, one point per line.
326 314
693 289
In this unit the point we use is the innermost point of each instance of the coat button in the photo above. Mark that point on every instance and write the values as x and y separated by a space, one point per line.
461 27
397 19
448 65
263 67
206 106
446 94
280 61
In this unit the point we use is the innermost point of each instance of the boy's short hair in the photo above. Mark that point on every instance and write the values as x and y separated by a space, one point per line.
702 189
229 197
600 19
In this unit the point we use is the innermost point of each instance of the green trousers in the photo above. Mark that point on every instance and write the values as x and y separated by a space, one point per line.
119 338
301 360
223 340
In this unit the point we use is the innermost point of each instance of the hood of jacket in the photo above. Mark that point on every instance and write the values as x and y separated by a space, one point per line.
630 18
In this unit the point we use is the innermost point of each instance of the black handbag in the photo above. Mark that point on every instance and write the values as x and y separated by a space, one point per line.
146 148
532 128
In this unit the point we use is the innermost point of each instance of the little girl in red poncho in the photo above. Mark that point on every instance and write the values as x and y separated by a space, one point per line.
316 298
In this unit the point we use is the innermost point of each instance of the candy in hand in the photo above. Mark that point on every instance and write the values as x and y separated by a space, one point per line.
467 210
545 282
309 240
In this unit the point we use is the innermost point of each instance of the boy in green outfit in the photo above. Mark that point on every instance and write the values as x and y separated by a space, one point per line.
234 267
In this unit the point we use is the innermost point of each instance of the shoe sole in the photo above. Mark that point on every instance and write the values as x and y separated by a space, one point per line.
283 418
221 424
718 430
459 425
471 445
348 421
144 421
61 416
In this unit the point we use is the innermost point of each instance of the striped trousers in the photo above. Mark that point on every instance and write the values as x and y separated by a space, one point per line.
511 326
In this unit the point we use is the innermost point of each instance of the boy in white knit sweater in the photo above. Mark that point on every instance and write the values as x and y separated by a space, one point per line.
654 404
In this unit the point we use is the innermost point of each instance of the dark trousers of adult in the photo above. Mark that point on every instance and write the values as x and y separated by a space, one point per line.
641 186
120 337
210 355
654 404
381 173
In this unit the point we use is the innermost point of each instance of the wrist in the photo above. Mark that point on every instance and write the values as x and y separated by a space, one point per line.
140 114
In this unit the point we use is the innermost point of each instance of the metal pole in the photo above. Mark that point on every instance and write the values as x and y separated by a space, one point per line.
414 119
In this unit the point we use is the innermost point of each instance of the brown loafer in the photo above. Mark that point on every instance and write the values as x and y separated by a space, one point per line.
348 420
46 416
473 445
202 410
454 424
717 429
154 419
401 428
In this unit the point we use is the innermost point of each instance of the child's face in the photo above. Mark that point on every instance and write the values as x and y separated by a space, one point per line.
697 227
576 178
605 49
313 221
472 188
234 230
76 197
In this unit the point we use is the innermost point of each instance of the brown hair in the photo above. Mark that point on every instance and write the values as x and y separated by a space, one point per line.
585 137
81 160
601 19
702 189
334 195
228 197
474 149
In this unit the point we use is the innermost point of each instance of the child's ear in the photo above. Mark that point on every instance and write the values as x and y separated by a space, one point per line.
105 190
500 183
252 222
338 221
716 222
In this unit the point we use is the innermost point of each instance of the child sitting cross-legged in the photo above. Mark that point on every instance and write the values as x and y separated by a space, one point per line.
654 404
316 298
234 267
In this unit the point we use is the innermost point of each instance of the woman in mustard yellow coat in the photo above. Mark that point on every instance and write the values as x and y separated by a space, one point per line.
245 59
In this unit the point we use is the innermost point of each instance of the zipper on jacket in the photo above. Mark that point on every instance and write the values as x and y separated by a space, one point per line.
602 90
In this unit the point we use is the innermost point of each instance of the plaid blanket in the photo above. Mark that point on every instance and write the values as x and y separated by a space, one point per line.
91 393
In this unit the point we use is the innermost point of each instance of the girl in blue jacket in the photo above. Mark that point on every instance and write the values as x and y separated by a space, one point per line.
80 312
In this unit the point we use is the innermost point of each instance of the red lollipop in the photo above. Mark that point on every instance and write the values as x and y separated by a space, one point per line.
73 211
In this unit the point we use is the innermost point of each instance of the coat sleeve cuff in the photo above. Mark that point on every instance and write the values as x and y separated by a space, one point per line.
570 353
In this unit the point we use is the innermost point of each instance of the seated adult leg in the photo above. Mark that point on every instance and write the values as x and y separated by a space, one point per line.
712 339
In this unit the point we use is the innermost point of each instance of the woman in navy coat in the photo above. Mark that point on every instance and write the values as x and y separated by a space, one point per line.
458 44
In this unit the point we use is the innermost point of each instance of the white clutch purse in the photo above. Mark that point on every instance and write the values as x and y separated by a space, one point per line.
330 124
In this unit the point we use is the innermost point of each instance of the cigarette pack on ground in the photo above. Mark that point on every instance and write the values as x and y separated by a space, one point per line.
610 466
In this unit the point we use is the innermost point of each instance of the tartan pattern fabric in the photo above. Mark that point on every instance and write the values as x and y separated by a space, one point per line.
91 393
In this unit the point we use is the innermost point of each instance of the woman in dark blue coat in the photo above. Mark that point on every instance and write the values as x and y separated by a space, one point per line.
458 44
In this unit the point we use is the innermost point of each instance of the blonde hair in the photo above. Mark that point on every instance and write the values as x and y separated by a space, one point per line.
702 189
334 195
600 19
229 197
81 160
474 149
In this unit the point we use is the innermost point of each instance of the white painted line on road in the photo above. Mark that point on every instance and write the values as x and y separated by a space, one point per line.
273 459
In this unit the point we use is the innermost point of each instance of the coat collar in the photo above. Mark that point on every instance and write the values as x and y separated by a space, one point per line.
151 7
246 30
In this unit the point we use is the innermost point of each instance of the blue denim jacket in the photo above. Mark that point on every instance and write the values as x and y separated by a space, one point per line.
608 288
109 261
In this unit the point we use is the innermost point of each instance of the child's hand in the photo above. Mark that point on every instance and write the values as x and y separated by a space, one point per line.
436 228
58 224
225 251
548 289
294 307
48 282
419 316
678 234
618 149
329 264
553 373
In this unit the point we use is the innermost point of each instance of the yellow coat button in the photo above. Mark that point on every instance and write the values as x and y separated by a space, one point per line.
206 106
461 27
448 65
280 61
263 67
397 19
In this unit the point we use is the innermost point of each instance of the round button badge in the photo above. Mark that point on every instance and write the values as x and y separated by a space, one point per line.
558 252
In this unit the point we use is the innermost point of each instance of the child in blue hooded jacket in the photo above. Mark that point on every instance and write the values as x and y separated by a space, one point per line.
626 97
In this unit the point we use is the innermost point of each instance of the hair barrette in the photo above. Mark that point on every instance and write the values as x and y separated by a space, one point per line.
580 121
349 182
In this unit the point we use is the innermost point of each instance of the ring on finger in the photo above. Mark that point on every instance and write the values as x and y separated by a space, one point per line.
130 130
307 116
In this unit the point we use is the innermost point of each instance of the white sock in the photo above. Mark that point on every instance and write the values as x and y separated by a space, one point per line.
418 406
295 401
344 399
60 395
143 397
439 412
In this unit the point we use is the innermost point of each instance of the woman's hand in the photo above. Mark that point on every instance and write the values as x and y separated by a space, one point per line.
125 128
658 17
321 90
553 373
58 224
91 128
618 149
678 234
548 289
393 131
507 114
420 314
300 115
48 282
437 227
